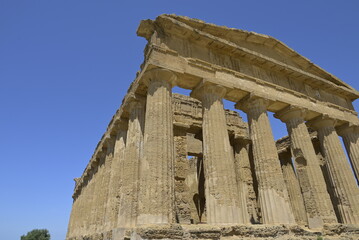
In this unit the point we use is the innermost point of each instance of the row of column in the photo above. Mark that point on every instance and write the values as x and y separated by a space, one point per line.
317 201
142 182
273 194
89 208
138 180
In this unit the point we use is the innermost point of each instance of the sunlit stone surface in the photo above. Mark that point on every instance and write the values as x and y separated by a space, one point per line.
171 166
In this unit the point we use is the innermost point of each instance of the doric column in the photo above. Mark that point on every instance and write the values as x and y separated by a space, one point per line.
222 197
115 183
76 220
77 228
244 179
89 200
273 194
293 187
84 209
73 218
316 198
156 168
69 232
350 135
104 189
89 225
345 187
98 173
130 174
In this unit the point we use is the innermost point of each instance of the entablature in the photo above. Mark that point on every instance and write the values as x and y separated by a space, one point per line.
194 43
238 84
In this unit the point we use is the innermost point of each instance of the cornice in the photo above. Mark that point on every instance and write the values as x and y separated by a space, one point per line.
176 25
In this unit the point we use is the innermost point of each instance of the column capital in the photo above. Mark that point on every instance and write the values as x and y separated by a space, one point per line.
250 101
120 124
290 112
241 139
286 152
133 101
206 86
93 165
347 128
100 156
159 74
109 143
321 122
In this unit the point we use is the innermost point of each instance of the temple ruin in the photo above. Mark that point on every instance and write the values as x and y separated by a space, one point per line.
172 166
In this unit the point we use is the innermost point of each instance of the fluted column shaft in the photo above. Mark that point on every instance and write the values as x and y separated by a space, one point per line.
103 191
79 214
115 179
156 169
350 135
244 180
96 198
89 199
73 219
85 206
222 196
293 187
316 198
71 222
129 192
273 194
345 187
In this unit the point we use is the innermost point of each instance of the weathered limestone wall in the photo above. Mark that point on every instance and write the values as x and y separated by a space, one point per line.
183 201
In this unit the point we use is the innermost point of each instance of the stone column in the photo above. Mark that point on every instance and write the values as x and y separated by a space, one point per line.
79 218
115 183
273 194
222 196
71 222
85 194
350 135
79 215
99 165
345 186
130 173
156 191
244 179
316 198
294 191
73 218
103 191
89 199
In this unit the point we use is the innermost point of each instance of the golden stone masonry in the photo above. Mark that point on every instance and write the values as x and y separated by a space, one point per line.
182 167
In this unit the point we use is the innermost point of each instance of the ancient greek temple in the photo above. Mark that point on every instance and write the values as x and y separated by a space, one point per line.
172 166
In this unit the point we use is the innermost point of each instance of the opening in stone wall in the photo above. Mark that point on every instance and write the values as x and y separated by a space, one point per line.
195 182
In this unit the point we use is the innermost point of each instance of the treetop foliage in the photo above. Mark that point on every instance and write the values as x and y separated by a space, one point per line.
37 234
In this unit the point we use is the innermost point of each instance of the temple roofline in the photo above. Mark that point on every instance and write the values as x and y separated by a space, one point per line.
230 37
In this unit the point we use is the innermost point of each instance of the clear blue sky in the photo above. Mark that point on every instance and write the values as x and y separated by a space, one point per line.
66 65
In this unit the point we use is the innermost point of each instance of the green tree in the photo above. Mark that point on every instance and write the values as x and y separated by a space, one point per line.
37 234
